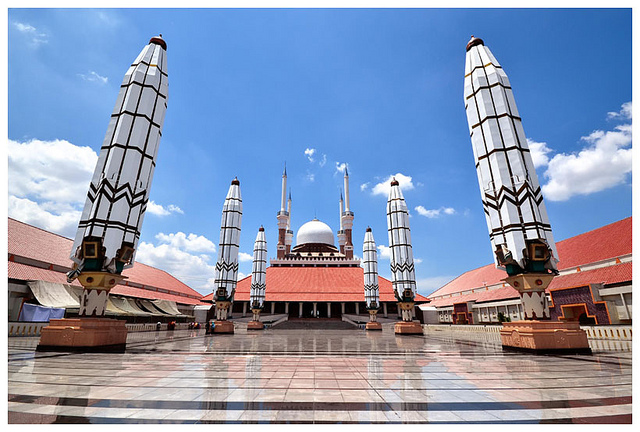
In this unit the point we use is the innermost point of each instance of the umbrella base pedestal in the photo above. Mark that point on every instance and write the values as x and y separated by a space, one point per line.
373 325
255 325
223 327
408 327
544 337
84 334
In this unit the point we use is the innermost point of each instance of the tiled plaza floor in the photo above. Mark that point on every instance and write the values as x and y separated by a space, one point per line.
315 376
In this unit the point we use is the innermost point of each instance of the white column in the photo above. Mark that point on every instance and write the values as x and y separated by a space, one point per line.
315 308
244 309
384 309
286 308
300 310
273 307
626 308
357 308
342 306
328 310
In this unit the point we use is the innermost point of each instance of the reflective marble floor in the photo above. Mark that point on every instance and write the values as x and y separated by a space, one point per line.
315 376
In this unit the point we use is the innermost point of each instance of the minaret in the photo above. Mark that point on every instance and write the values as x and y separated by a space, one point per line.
226 273
111 221
283 218
258 280
371 290
402 269
516 216
341 236
347 219
288 236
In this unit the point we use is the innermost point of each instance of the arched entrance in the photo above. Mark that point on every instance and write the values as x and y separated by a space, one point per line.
578 313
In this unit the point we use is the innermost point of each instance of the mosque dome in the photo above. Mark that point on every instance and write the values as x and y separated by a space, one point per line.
314 231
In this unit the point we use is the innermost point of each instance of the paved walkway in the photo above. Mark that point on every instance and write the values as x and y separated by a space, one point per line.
315 376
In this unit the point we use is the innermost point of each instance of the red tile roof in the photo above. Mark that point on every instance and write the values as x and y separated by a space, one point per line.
315 284
481 295
613 274
607 242
37 244
30 273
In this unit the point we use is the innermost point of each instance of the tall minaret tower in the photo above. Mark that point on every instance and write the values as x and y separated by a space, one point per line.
347 219
283 218
341 236
288 236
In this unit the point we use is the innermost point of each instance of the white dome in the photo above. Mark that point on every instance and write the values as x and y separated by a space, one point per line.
315 232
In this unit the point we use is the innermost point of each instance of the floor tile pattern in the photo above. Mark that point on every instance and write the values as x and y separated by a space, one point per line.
315 376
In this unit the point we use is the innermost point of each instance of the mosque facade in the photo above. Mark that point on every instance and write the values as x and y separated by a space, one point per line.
315 278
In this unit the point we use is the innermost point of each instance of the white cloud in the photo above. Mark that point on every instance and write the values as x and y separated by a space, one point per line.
323 161
310 176
159 210
435 213
94 77
48 183
384 187
244 257
624 113
309 152
64 223
50 170
384 252
196 270
364 186
539 153
187 257
341 167
35 37
189 243
605 162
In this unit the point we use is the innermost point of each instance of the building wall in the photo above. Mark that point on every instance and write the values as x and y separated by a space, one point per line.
564 300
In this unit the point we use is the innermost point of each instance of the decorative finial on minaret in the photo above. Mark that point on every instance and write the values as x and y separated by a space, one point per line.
394 182
473 42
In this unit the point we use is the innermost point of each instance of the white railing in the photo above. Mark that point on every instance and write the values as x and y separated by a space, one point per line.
463 327
26 328
613 332
34 329
610 332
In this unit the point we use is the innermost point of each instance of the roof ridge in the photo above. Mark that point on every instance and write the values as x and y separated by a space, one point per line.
595 229
37 227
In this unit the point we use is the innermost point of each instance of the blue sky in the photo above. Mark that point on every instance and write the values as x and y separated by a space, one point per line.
378 89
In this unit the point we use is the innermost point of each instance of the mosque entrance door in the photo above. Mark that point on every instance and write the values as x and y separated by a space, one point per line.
307 310
336 310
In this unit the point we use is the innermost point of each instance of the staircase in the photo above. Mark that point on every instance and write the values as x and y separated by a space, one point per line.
314 323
